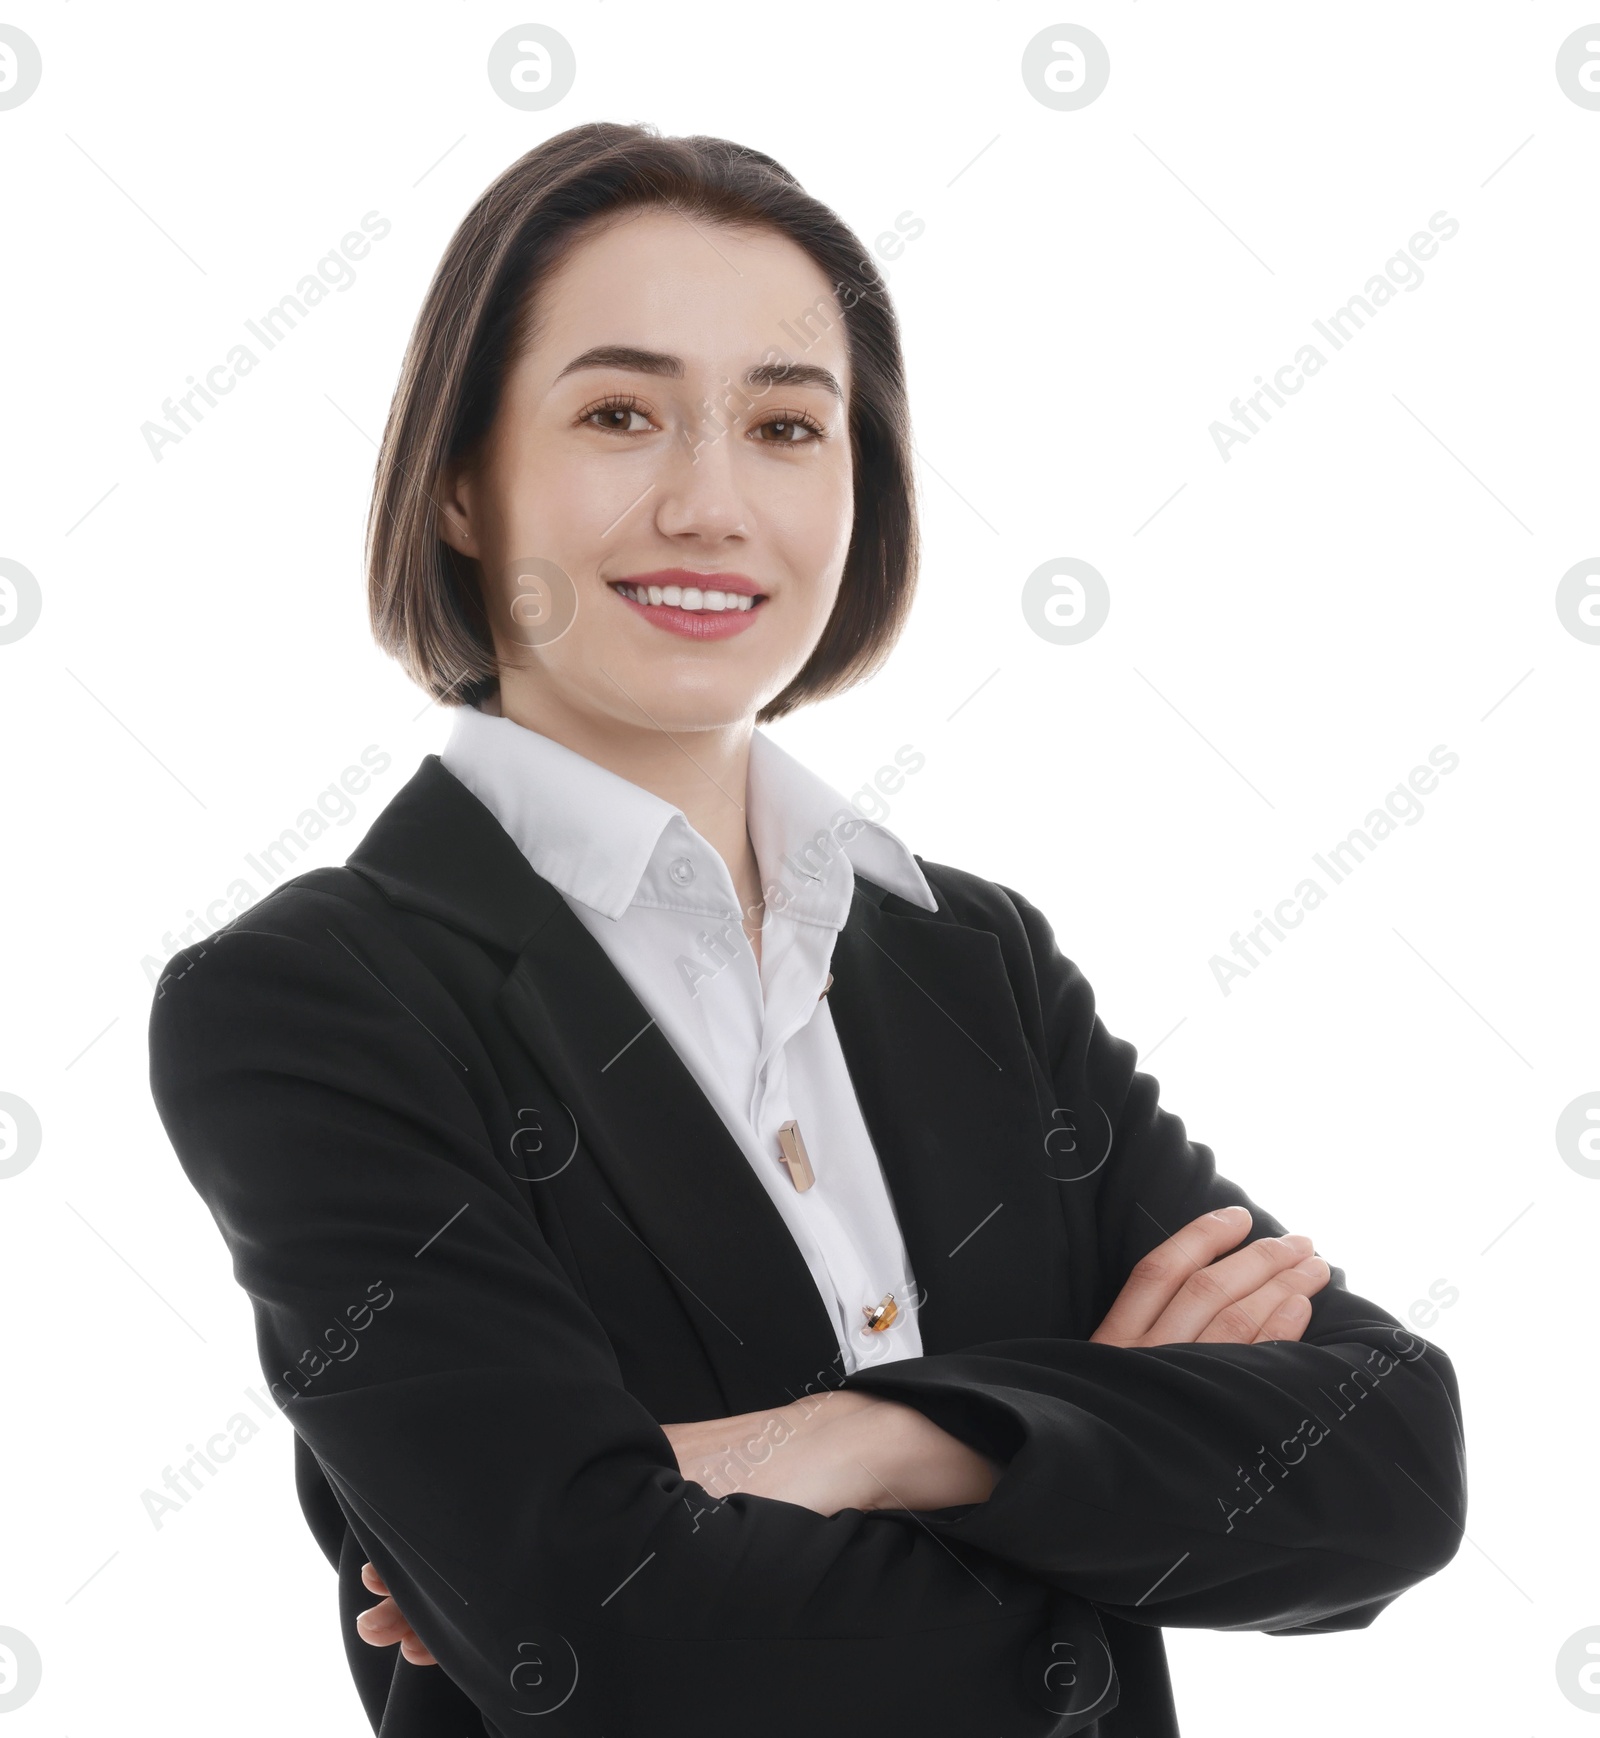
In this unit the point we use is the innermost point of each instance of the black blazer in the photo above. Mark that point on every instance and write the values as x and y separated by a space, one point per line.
494 1235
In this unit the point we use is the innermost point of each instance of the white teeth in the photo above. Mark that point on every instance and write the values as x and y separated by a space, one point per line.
689 597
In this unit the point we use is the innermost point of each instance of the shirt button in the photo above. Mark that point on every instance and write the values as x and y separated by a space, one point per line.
681 870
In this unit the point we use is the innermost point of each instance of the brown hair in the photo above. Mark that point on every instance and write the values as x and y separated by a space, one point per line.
424 598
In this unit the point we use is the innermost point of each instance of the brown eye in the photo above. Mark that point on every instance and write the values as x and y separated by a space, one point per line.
790 431
617 418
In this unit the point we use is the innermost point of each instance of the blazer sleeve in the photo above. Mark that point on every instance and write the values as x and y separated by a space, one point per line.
525 1509
1293 1487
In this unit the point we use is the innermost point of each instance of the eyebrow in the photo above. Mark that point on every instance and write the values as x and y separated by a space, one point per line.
763 374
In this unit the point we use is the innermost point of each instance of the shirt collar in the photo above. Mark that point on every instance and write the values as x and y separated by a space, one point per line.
798 821
594 835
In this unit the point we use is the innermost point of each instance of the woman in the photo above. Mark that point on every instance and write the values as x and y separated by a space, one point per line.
717 1265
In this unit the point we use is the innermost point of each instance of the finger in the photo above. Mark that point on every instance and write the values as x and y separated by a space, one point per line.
1224 1286
382 1624
1157 1276
1242 1323
415 1650
1207 1293
372 1580
1287 1321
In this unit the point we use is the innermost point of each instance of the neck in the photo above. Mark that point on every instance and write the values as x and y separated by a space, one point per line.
702 772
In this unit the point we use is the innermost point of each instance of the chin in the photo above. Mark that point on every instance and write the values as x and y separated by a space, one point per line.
683 705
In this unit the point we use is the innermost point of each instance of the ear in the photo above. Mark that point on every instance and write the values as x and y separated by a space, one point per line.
454 497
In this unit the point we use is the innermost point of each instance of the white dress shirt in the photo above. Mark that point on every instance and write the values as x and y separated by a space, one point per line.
759 1041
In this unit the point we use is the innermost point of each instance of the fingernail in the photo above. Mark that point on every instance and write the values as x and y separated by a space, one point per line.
1299 1243
1314 1266
1230 1213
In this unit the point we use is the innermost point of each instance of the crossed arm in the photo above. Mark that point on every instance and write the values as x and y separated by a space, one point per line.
846 1449
327 1130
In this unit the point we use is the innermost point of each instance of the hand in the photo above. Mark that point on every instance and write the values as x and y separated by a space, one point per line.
901 1459
746 1435
384 1624
841 1449
1180 1293
818 1482
779 1453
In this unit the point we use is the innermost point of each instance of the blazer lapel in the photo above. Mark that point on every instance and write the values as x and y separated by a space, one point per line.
687 1188
929 1028
685 1182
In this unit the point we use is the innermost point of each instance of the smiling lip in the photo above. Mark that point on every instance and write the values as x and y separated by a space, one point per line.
701 624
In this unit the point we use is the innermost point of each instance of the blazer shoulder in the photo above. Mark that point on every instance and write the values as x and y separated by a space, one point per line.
298 910
978 903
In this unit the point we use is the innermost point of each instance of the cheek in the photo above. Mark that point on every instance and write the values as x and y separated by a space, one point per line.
558 505
812 522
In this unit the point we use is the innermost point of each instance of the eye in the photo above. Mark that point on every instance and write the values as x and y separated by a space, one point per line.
617 416
791 428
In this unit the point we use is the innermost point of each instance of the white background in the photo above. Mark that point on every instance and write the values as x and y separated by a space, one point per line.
1291 631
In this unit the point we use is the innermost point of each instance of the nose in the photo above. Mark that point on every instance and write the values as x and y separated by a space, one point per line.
698 496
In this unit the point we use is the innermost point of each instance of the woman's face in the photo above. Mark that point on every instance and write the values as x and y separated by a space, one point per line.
682 420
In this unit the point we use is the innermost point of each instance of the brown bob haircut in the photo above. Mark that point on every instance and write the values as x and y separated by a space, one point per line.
425 600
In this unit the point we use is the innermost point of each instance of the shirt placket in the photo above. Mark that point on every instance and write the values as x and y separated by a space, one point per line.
772 1105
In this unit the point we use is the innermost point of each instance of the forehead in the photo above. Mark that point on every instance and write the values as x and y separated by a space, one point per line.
721 297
